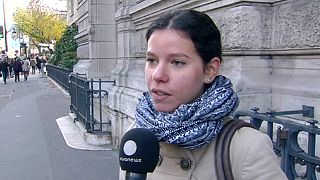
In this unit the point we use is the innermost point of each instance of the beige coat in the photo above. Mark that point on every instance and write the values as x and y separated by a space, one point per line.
251 155
26 66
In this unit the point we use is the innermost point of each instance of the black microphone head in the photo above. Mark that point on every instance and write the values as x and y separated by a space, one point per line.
139 151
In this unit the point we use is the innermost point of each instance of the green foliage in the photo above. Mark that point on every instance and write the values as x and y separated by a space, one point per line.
40 24
65 51
1 31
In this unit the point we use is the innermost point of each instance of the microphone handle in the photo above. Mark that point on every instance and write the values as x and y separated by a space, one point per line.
135 176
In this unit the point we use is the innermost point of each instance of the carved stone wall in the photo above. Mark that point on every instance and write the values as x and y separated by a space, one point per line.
297 25
97 40
271 50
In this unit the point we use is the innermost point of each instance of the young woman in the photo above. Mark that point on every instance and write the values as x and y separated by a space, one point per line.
188 102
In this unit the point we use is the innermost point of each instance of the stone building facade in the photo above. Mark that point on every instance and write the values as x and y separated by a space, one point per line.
271 50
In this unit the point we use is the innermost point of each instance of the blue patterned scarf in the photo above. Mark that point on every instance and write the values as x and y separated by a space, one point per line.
191 125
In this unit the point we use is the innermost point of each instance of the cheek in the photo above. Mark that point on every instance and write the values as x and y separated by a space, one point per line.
189 87
148 77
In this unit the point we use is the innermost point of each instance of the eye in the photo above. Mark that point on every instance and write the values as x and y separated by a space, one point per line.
178 62
151 62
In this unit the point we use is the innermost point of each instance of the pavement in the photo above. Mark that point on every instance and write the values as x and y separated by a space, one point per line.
38 139
73 134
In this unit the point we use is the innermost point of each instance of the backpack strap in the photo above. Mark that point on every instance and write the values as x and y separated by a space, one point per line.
223 141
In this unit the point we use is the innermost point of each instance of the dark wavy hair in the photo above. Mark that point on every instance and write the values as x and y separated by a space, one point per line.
197 25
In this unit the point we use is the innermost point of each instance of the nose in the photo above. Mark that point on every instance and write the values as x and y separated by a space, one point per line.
160 73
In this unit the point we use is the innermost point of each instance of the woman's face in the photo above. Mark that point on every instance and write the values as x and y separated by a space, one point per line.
174 71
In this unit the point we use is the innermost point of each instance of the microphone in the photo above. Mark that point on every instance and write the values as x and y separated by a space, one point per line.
139 153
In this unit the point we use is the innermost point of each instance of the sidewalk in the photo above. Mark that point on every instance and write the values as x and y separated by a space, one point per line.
73 133
36 141
76 136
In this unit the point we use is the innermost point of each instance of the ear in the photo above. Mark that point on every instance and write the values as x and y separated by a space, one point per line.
211 70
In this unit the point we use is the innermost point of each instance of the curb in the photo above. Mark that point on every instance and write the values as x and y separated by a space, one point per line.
92 139
64 92
89 138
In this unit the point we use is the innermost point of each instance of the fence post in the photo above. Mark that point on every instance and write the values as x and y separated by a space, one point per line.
311 150
87 105
100 105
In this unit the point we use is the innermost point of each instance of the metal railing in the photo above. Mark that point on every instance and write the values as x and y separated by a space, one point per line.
59 75
286 144
83 93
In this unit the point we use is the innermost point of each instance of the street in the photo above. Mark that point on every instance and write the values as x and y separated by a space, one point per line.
32 146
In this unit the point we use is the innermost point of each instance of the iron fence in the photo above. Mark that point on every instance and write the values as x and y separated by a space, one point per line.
59 75
286 143
83 94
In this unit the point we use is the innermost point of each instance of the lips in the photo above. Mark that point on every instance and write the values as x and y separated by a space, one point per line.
159 95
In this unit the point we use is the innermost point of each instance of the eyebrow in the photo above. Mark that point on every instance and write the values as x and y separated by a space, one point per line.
149 53
171 55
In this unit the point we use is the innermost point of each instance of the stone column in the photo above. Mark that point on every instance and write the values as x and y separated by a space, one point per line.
97 39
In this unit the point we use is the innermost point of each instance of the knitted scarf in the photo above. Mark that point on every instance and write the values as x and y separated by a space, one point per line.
191 125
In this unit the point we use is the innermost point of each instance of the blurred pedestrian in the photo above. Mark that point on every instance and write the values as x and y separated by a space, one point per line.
33 64
17 68
10 62
39 61
26 68
4 69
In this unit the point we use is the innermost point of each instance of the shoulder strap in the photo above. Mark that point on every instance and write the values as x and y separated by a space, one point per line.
223 165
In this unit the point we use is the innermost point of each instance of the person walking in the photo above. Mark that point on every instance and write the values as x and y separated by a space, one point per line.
10 62
17 68
4 66
39 62
33 64
26 68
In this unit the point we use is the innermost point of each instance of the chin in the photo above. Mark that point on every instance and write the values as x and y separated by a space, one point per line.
165 109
